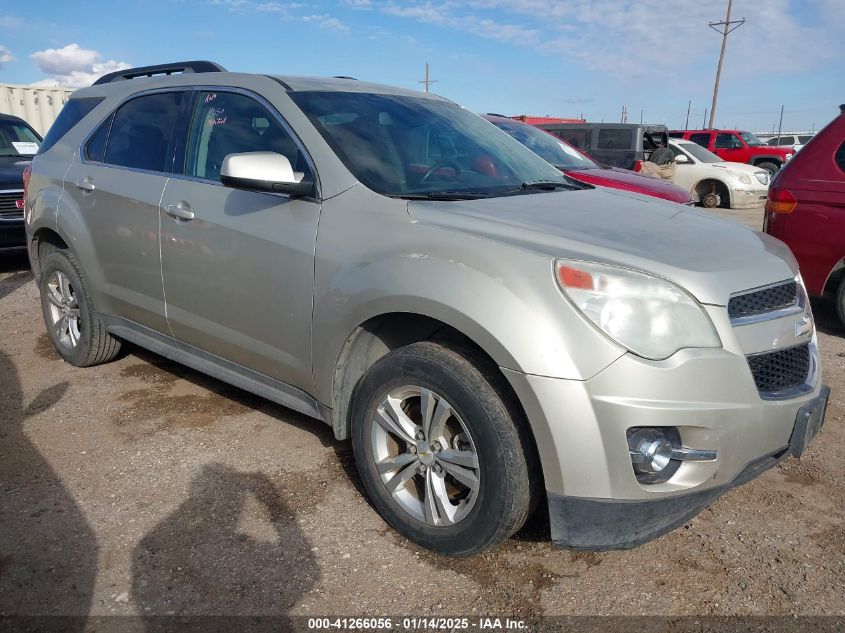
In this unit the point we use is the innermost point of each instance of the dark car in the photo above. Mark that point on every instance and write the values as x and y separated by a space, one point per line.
806 209
18 144
577 165
615 144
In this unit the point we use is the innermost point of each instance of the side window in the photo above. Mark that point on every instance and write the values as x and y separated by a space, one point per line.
803 140
726 141
142 132
612 138
840 156
773 142
72 113
700 139
95 149
229 123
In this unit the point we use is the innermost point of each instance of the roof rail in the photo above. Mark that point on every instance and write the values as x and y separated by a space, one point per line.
161 69
344 77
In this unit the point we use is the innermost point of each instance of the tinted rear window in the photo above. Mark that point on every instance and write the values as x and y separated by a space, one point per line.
143 130
74 111
840 156
612 138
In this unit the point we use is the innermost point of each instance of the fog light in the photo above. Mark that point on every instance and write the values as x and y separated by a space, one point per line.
651 453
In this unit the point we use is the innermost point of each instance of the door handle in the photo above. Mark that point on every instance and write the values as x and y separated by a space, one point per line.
86 185
181 210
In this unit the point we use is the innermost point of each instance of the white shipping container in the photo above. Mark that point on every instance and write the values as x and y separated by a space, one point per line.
37 106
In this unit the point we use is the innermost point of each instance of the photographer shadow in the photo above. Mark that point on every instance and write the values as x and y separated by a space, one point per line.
230 557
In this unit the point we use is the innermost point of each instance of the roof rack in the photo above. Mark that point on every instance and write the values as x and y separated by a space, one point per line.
161 69
344 77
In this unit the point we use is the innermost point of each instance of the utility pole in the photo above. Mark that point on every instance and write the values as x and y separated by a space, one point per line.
624 118
704 120
427 81
641 117
780 123
728 26
689 105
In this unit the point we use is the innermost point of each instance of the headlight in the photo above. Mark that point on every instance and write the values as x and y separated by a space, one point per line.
745 179
650 316
762 177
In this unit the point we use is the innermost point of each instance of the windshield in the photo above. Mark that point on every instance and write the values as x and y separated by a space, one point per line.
701 154
16 139
749 138
405 146
546 146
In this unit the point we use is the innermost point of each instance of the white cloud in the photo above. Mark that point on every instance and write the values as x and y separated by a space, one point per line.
74 66
645 38
5 56
289 11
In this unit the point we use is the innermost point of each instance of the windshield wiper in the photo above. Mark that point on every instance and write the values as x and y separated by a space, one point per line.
445 195
549 185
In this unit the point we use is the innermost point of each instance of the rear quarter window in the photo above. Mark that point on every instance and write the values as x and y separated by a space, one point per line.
74 111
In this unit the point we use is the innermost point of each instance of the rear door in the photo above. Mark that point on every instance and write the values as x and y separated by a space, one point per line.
117 187
615 146
238 266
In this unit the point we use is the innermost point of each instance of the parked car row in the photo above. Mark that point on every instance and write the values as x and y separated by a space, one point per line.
487 329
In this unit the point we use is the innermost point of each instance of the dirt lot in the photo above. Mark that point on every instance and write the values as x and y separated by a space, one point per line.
142 487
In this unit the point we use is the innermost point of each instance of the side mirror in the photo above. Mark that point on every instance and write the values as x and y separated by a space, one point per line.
264 171
681 158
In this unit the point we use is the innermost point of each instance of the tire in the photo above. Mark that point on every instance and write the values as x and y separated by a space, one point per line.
662 156
840 302
482 432
711 200
73 323
770 167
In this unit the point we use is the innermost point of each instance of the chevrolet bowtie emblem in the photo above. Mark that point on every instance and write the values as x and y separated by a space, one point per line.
803 326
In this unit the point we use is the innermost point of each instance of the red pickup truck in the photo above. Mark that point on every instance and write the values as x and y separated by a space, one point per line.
738 146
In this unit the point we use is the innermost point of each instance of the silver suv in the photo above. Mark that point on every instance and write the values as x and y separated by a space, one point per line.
486 331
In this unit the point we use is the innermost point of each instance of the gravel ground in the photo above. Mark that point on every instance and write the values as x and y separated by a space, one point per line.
142 487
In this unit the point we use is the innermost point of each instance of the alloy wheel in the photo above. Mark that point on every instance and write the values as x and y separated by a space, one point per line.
64 310
425 456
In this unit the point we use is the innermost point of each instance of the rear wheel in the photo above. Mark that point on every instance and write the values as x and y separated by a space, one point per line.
446 461
73 324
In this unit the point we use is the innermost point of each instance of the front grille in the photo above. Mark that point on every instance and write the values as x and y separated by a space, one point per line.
765 300
9 205
784 369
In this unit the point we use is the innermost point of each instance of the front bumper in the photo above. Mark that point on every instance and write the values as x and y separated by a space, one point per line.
709 395
599 524
12 235
748 198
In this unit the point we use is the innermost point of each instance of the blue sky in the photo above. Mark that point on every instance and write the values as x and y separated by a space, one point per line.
559 58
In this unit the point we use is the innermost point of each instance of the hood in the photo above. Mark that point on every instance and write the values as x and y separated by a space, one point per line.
11 172
743 168
709 257
630 181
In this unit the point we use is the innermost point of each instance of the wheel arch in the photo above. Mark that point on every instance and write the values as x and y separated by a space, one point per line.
702 185
383 333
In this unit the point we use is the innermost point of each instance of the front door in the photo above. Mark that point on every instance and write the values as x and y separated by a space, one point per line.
238 266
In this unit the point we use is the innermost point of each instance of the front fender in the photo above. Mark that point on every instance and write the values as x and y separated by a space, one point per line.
502 297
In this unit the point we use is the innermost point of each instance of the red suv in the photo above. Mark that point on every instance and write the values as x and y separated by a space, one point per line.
577 165
738 146
806 209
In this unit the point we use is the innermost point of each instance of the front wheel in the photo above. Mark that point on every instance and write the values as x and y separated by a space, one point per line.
444 457
770 167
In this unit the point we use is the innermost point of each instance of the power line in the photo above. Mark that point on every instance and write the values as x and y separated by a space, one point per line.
728 26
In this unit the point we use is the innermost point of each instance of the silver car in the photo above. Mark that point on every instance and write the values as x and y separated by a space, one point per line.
486 331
